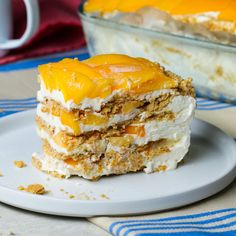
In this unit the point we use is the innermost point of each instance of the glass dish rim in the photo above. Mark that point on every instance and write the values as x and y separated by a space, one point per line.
130 28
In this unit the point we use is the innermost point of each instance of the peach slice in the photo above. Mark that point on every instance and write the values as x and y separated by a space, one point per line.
137 130
71 162
92 119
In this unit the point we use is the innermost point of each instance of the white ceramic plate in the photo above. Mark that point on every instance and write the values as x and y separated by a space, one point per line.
208 168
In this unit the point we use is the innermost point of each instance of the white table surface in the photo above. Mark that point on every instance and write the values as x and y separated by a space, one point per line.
18 222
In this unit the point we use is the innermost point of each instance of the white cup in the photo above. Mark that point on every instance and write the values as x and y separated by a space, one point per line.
6 26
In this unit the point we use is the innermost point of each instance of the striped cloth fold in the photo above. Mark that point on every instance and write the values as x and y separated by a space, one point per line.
10 106
219 222
208 105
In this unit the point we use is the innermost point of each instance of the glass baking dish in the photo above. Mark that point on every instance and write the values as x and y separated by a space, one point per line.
211 65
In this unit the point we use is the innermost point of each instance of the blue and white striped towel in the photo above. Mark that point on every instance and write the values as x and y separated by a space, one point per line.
220 222
10 106
209 105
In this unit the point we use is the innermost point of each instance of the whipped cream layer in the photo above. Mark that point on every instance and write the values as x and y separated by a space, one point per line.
169 160
55 121
56 95
89 103
99 147
181 106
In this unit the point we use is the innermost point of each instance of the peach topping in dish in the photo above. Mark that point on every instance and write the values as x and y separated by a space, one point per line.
225 8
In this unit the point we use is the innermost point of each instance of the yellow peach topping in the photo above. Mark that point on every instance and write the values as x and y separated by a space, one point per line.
98 76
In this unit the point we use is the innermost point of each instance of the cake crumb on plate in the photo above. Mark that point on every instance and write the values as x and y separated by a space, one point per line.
104 196
19 164
33 188
21 188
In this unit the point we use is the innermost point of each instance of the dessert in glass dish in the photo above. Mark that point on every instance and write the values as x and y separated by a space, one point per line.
111 114
191 38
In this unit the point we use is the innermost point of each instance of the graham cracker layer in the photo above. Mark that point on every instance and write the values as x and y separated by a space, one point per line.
119 104
118 163
150 149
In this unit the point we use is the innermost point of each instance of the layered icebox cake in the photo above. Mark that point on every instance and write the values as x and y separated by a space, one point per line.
111 114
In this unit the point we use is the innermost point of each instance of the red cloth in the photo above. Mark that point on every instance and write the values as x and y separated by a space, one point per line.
60 29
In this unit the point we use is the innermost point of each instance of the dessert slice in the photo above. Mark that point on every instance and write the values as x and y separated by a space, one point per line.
111 114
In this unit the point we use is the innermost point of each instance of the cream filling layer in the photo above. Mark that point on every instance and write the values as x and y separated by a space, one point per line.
55 121
172 158
82 149
183 108
169 160
92 103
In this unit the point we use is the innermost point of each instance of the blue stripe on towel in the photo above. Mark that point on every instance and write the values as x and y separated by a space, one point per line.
192 216
17 100
191 233
207 104
8 107
177 224
18 107
9 104
6 113
224 223
206 101
179 228
214 108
